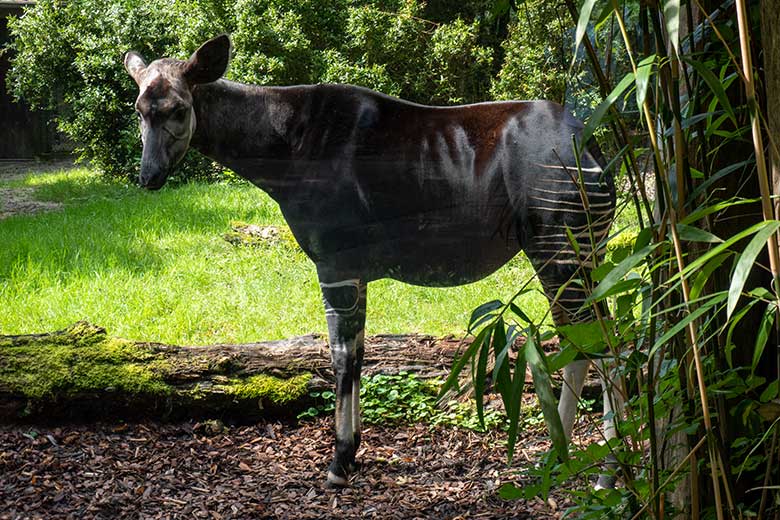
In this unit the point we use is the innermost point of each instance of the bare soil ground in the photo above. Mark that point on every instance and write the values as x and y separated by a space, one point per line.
19 200
266 470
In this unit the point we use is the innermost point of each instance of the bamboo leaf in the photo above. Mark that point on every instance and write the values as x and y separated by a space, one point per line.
704 274
482 311
582 25
543 387
680 325
501 372
519 312
618 272
717 176
715 251
746 261
643 71
595 119
716 86
513 405
672 19
643 239
457 368
706 210
694 234
732 327
606 11
764 329
481 373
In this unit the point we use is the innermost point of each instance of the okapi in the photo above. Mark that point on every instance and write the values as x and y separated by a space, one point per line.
375 187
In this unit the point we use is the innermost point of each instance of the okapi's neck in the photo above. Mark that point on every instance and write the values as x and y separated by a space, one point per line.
243 127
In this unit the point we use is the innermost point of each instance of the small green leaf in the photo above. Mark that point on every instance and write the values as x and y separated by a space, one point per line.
573 241
770 392
585 335
509 491
601 271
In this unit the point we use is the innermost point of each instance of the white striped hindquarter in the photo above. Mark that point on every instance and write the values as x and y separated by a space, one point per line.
568 218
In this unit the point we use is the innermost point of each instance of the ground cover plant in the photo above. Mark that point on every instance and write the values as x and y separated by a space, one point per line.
156 267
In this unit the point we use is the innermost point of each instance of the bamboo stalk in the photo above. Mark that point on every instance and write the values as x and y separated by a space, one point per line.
767 208
691 328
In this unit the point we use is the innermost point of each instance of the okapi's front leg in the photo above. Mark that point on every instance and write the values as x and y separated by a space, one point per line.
345 312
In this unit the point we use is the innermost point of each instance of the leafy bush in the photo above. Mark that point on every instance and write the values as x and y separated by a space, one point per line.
68 57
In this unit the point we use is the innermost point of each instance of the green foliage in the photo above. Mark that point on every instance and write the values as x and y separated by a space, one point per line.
536 50
405 398
68 57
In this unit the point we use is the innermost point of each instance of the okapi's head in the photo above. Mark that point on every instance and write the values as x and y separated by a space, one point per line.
164 105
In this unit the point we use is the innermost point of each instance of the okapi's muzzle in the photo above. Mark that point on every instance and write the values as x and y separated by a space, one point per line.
154 166
152 181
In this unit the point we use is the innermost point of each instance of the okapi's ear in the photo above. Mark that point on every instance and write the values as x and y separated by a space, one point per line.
209 62
135 65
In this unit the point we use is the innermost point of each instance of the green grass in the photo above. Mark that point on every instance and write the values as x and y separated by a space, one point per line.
154 267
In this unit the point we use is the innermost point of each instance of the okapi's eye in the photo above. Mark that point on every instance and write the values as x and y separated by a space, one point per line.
180 114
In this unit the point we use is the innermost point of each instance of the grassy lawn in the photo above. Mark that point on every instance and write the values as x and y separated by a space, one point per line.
155 267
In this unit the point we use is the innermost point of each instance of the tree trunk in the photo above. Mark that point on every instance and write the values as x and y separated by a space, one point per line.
82 373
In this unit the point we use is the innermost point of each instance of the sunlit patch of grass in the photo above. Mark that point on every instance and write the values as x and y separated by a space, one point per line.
155 266
73 185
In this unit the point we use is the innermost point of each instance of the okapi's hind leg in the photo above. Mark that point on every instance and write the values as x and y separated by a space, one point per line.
345 312
567 307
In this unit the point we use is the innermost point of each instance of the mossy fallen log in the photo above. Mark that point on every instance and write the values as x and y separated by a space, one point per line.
83 373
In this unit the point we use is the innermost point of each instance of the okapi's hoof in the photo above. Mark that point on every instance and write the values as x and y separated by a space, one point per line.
335 481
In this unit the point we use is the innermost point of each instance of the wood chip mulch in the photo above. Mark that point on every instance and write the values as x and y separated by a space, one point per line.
266 470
